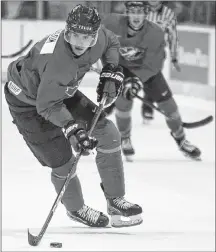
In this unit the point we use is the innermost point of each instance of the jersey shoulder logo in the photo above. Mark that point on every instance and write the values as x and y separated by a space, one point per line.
50 43
14 88
131 53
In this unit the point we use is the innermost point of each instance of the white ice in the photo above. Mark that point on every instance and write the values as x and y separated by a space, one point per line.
177 194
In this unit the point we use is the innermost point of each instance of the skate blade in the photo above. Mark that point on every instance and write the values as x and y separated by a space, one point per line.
147 121
129 158
192 158
196 158
119 221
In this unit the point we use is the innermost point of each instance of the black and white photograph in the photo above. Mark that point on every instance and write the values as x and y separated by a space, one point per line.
108 125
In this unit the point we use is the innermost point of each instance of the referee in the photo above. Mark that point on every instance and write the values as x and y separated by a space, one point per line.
165 17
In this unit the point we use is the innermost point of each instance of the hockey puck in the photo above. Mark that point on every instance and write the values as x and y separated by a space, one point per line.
55 245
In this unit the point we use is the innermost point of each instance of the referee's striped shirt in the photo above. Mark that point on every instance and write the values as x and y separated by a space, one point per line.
165 17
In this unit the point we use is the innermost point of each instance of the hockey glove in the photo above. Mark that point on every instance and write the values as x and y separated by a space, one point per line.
76 132
110 83
131 87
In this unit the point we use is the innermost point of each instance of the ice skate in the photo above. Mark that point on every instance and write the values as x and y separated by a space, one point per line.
122 212
90 217
127 149
188 149
147 114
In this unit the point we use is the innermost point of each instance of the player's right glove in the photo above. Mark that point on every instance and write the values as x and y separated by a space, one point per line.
132 85
111 81
76 132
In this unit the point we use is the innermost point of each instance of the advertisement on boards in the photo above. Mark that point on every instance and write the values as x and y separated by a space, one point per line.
193 58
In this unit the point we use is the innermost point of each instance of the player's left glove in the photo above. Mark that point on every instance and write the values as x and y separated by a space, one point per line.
132 85
75 132
110 83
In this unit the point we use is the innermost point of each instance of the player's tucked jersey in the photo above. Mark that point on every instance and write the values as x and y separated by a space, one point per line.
50 72
165 17
143 54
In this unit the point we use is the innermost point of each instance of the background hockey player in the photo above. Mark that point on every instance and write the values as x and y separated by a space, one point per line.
44 100
165 17
142 56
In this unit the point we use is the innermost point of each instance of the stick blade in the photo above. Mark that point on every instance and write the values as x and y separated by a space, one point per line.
32 240
198 123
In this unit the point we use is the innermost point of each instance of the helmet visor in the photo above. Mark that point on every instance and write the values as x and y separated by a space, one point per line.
80 39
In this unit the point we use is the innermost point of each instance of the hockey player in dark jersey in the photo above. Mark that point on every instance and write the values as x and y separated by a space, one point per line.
142 56
44 101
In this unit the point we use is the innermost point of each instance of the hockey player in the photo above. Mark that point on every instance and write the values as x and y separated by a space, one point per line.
44 100
165 18
141 56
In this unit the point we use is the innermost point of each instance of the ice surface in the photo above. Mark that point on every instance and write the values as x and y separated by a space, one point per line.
177 194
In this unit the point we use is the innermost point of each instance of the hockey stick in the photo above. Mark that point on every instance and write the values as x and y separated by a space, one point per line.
35 240
190 125
19 52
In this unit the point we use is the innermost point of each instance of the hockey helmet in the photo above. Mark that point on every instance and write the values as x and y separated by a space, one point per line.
85 21
137 4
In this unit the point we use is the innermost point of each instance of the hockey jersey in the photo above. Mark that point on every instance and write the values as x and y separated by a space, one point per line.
50 73
144 53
